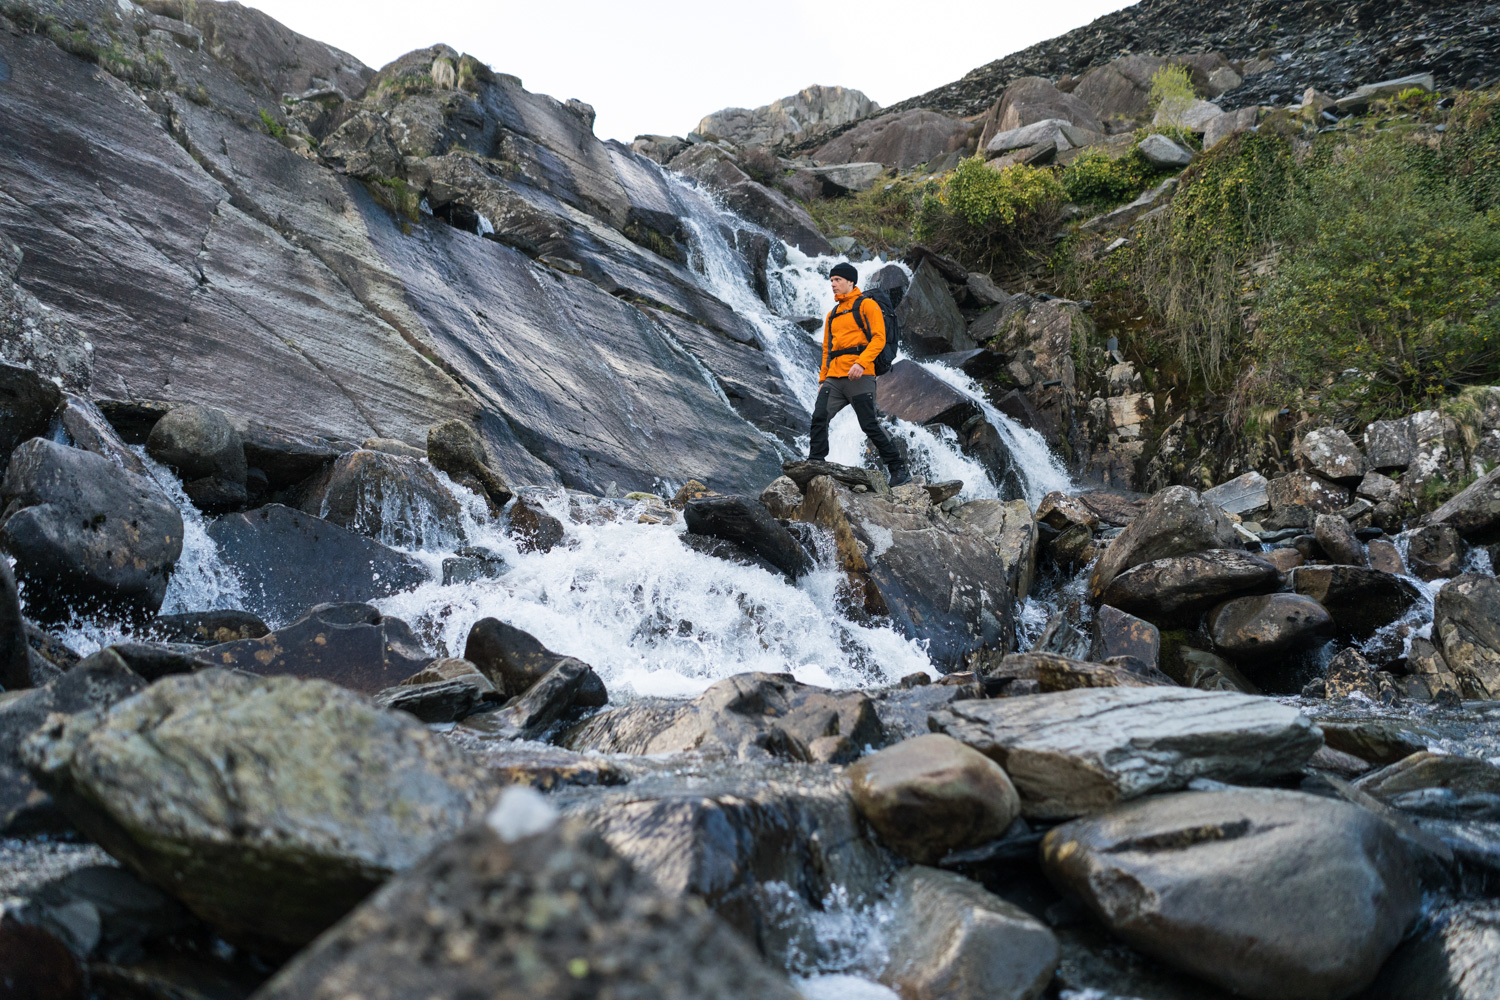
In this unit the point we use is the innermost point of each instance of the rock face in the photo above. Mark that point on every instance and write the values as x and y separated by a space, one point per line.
1177 521
1466 626
328 796
910 392
1076 752
930 320
954 939
930 795
205 450
814 109
902 141
87 534
562 915
1237 886
289 561
352 645
1168 590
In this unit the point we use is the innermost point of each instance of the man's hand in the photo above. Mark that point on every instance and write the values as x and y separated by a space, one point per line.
856 370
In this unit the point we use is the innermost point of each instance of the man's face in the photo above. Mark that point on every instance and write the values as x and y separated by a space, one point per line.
841 286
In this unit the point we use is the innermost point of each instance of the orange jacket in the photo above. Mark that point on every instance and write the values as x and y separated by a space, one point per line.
841 330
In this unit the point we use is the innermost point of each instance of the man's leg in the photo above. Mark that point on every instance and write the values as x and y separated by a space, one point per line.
829 402
869 422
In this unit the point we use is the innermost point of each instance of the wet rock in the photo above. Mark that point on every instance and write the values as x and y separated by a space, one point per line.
1379 741
455 448
805 471
284 458
1177 521
952 938
289 561
1328 453
1076 752
570 683
747 523
1349 673
1446 785
27 403
1013 532
86 534
1337 541
433 701
514 659
1178 587
534 529
1466 627
560 913
34 963
329 796
351 645
1455 958
90 430
154 661
1385 557
1269 623
1360 600
387 497
748 715
1475 512
453 668
16 668
204 449
910 392
1235 886
930 320
1244 495
472 563
1074 547
1435 552
208 628
393 446
94 684
1117 633
782 498
930 795
104 912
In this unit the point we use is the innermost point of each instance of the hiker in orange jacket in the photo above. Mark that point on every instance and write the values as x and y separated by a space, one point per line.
847 377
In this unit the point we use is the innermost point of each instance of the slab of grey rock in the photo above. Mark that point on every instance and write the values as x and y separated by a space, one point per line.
1160 151
1166 590
1076 752
1241 887
269 806
1244 494
1475 512
1466 627
1330 453
1177 521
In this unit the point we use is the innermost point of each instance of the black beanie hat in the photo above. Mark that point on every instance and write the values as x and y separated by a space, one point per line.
845 270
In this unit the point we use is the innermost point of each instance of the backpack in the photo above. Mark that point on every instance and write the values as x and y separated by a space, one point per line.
887 355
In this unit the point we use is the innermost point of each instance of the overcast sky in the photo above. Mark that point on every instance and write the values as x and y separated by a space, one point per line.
661 65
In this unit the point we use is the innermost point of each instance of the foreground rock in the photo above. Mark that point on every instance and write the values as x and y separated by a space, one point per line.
1166 591
1270 894
351 645
521 913
930 795
1455 958
87 535
1177 521
1077 752
952 938
1466 626
269 806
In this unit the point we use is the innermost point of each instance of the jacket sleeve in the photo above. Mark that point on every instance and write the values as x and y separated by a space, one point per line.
876 320
827 334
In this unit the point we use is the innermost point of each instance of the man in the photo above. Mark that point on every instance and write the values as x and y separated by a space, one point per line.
848 374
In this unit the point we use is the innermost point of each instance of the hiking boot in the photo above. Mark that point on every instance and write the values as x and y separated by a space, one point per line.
900 475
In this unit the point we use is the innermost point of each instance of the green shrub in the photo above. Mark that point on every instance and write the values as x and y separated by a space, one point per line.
1172 94
993 218
1469 153
1095 179
883 219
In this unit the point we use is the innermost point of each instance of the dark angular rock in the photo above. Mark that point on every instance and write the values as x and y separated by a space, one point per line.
15 651
1360 600
535 530
747 523
27 403
472 563
1329 453
351 645
1177 521
86 533
514 660
1119 634
909 392
392 498
153 661
1298 497
805 471
436 701
930 320
1168 591
286 459
204 449
1270 623
568 684
208 628
1350 673
1337 541
1466 627
90 430
455 448
289 561
1435 552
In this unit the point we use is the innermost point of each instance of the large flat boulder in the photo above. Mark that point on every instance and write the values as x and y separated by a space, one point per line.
87 535
910 392
269 806
289 561
930 320
1268 894
1177 587
1475 511
1077 752
1361 600
1175 522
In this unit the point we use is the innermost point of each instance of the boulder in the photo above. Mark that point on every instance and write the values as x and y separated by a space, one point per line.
1117 633
1436 552
1363 96
1174 589
27 404
1163 153
1337 541
804 471
1177 521
1389 444
1237 887
1244 495
1298 497
570 683
1059 511
86 534
93 684
1436 784
848 178
1230 123
748 715
1385 557
905 140
1195 117
285 459
1454 958
1032 99
1475 512
1378 741
455 448
351 645
814 108
659 148
930 795
1121 88
329 795
1349 673
434 701
910 392
288 561
1328 452
534 529
782 498
1270 623
930 320
950 938
204 449
747 523
16 668
514 660
1466 627
1077 752
1429 677
1010 527
1361 600
559 915
393 499
90 430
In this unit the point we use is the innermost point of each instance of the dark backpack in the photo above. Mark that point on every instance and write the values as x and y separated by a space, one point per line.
887 355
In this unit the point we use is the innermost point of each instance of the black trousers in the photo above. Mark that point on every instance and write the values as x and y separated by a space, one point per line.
833 396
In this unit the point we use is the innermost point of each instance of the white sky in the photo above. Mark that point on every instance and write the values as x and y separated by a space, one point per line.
661 65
